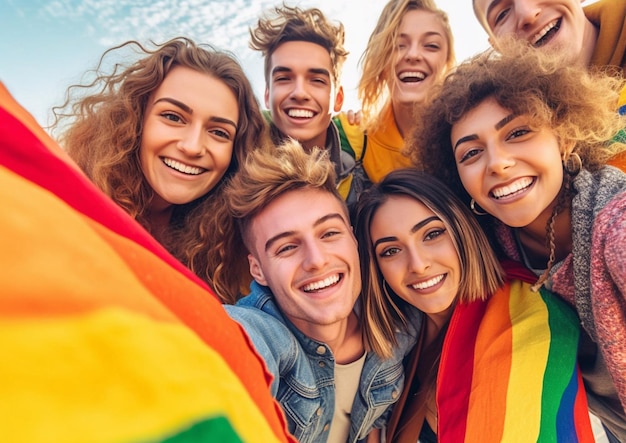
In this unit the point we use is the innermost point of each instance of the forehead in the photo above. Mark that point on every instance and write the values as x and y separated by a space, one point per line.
200 91
298 211
301 55
398 212
419 21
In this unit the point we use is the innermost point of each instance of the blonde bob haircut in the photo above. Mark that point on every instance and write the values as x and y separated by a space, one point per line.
481 273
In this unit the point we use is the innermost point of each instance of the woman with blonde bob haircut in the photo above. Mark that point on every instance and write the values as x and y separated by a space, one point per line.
421 248
161 136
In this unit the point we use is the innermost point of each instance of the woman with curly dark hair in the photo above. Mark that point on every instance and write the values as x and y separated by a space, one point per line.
161 136
526 139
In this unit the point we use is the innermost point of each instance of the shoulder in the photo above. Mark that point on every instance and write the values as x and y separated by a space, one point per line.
351 137
605 9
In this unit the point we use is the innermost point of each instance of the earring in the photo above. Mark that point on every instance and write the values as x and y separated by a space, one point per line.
572 164
476 209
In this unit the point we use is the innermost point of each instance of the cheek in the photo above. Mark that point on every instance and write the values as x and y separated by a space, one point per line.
222 159
393 274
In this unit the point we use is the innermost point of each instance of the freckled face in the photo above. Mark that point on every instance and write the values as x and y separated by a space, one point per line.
189 127
416 255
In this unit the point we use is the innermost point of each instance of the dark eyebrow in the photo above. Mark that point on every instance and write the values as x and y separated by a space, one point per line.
189 110
414 229
492 5
498 125
319 221
320 71
175 102
505 120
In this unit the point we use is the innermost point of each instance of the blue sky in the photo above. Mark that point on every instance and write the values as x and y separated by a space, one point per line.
46 45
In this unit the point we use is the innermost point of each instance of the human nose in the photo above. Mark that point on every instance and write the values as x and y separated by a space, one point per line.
192 142
299 91
526 14
413 52
419 261
316 256
498 159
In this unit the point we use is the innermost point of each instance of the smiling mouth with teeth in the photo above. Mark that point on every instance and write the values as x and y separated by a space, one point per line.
300 113
181 167
322 284
512 189
543 36
428 283
412 77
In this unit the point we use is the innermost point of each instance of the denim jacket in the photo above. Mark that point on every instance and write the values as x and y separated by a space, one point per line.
303 371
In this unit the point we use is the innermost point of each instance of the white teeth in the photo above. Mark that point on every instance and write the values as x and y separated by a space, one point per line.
318 285
181 167
514 187
541 34
428 283
300 113
413 75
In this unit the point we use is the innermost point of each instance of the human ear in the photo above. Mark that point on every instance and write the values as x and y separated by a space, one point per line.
256 271
266 96
339 99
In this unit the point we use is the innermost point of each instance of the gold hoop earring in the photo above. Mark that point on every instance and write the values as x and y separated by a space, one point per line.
572 164
476 209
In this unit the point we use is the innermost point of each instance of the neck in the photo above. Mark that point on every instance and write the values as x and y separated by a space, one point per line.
435 323
344 339
589 42
158 218
403 116
534 240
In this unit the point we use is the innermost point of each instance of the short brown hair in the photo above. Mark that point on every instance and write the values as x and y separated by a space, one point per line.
288 24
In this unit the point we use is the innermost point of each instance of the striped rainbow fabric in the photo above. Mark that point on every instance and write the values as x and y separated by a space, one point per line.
104 337
509 373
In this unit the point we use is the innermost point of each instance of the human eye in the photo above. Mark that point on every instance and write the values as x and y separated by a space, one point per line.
518 132
469 154
171 116
331 233
434 233
389 252
499 16
285 249
221 133
433 46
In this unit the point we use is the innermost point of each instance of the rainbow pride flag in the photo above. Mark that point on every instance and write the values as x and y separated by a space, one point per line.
509 373
104 337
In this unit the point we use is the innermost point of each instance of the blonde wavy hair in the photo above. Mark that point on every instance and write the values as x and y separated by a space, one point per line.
377 61
286 24
101 125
